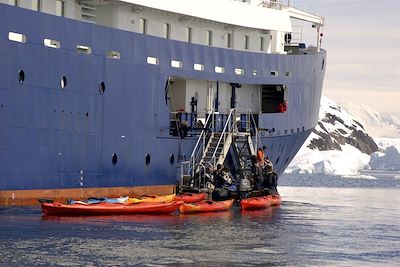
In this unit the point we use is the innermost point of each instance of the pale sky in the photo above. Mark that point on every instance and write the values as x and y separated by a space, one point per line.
362 39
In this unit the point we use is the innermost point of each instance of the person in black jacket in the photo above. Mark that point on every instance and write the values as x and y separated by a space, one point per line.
270 182
257 178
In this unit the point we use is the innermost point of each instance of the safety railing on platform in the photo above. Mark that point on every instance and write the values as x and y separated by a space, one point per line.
190 180
200 146
193 171
256 133
229 127
275 4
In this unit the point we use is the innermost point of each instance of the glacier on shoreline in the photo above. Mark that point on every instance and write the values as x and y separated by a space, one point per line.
346 160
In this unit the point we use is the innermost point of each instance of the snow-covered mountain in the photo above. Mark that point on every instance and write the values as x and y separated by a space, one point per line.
375 123
385 130
340 145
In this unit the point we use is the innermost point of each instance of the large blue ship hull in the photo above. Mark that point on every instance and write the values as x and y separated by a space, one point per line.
53 138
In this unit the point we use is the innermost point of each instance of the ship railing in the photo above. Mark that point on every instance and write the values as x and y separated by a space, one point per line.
229 128
274 4
249 124
195 182
176 119
185 174
201 143
255 129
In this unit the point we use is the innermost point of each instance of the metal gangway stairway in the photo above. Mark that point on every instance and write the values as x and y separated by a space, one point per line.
213 146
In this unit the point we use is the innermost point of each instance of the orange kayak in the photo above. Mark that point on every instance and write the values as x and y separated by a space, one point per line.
105 208
190 197
152 198
206 206
276 200
256 202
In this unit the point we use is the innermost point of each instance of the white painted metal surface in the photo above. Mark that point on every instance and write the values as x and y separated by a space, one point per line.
224 11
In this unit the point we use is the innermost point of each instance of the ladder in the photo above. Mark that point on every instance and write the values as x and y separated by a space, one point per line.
243 150
213 146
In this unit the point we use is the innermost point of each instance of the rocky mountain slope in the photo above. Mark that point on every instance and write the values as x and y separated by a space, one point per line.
337 128
340 144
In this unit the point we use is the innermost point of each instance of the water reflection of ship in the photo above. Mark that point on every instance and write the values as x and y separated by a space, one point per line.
163 219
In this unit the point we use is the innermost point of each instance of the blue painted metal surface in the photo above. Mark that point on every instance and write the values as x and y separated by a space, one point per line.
48 135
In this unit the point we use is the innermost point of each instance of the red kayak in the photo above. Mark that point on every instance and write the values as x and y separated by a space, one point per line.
276 200
105 208
190 197
256 202
206 206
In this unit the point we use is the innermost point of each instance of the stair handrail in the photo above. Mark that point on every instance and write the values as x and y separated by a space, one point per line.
256 134
200 146
228 123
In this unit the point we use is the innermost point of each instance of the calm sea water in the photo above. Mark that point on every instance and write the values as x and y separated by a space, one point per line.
323 221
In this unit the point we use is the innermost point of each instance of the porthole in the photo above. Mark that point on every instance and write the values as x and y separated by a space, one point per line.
21 76
171 159
63 82
102 88
147 160
114 158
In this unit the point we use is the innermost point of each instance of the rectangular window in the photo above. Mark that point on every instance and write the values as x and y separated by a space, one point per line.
167 30
152 61
84 49
188 33
17 37
52 43
209 37
239 71
246 42
228 40
143 26
176 64
262 47
60 8
198 67
219 69
114 54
